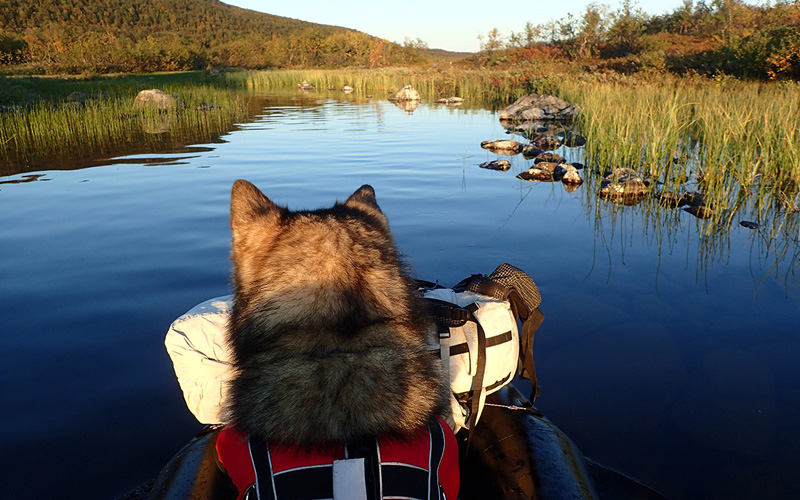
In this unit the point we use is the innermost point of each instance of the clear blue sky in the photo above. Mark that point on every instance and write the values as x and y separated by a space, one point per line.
443 25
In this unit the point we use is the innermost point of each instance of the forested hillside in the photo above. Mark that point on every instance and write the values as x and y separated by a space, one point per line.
717 38
58 36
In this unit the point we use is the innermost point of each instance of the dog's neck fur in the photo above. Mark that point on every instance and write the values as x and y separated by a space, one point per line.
327 336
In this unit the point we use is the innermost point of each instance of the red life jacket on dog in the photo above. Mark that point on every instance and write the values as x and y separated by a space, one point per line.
425 467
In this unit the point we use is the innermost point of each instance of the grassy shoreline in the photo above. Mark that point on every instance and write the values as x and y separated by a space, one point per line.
730 136
55 120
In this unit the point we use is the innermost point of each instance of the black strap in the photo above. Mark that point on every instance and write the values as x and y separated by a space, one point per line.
463 347
436 434
262 465
510 283
367 448
447 314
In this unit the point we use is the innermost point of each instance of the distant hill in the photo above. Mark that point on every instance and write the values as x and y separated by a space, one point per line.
446 55
54 36
203 19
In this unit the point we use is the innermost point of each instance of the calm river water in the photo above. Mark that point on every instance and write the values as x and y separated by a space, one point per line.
675 365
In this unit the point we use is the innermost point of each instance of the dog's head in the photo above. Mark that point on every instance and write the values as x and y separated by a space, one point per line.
330 270
327 334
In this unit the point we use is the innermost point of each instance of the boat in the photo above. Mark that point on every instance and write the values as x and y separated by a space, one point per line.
514 452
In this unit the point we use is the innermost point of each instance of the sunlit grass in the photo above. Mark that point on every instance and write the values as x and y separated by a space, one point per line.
737 142
45 129
477 86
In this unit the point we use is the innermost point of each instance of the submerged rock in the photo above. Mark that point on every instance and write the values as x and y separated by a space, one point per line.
534 107
698 206
671 200
572 140
502 146
531 151
541 172
700 211
694 198
450 100
154 99
623 185
567 174
549 157
407 93
546 141
501 165
305 86
529 129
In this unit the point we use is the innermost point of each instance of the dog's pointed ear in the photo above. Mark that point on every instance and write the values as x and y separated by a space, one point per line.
363 199
247 203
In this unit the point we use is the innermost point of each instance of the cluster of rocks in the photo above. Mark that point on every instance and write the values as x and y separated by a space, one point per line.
538 107
624 186
526 117
695 203
304 86
547 167
628 187
550 167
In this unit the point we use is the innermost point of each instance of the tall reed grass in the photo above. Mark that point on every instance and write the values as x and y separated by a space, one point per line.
738 144
55 129
480 86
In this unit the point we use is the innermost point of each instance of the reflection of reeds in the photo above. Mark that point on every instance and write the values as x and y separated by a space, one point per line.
737 144
478 87
107 123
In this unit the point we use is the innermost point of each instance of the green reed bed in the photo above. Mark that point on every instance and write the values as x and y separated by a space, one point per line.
46 131
731 140
478 86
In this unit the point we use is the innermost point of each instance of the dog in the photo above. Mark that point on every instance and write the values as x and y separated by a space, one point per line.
328 335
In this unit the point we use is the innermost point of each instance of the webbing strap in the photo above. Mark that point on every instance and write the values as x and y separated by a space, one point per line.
477 381
527 368
436 436
367 449
445 349
447 314
259 456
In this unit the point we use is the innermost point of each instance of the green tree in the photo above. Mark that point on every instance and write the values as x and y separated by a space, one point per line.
627 27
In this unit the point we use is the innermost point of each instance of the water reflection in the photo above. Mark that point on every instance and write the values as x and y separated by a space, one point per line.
669 350
407 106
659 207
24 178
